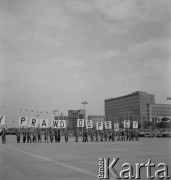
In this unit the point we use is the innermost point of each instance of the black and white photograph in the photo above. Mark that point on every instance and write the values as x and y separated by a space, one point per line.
85 89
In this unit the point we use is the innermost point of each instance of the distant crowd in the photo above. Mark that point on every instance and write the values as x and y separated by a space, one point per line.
54 135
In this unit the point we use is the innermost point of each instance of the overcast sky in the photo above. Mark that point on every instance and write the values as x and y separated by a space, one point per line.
54 54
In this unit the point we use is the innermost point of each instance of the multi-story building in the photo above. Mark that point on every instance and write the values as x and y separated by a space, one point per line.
96 118
159 111
133 106
73 115
61 117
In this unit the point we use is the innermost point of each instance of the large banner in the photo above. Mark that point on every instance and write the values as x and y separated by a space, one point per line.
57 124
99 125
44 123
2 119
108 125
116 126
135 124
126 123
80 123
33 122
22 121
89 124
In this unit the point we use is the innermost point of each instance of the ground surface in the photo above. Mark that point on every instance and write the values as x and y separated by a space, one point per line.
77 161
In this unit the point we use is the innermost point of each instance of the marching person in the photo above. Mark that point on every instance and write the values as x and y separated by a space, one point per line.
46 136
18 136
83 134
34 137
76 136
132 135
105 136
101 137
24 136
96 134
28 136
91 136
113 135
39 136
66 136
136 136
51 135
59 136
86 137
3 136
118 135
110 136
56 136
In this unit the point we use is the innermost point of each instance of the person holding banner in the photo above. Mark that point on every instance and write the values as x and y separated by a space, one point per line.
66 136
56 136
91 136
110 136
105 136
113 135
3 136
18 136
76 136
86 137
46 136
132 135
96 134
136 135
51 135
34 137
59 136
29 136
39 136
101 137
24 136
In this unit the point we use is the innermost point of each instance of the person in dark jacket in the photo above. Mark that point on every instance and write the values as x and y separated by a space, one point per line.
3 136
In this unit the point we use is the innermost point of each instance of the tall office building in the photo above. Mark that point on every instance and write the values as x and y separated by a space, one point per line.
133 106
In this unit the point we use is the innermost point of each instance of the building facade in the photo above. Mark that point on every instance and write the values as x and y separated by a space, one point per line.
73 115
96 118
159 111
133 106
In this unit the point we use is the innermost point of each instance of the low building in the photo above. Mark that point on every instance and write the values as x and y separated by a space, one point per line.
159 111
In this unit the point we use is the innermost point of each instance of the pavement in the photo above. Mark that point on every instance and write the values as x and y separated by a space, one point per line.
78 161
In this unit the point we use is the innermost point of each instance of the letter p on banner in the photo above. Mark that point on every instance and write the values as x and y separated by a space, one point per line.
22 121
2 119
135 124
99 125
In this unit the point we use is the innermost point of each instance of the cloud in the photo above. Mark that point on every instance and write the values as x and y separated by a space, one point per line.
145 48
138 50
120 10
79 6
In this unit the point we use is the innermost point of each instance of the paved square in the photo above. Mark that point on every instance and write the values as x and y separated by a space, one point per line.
72 161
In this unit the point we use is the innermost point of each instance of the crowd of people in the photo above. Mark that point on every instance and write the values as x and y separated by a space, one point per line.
109 135
39 136
30 135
